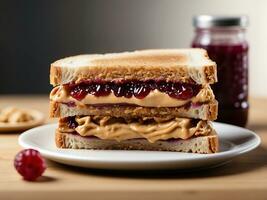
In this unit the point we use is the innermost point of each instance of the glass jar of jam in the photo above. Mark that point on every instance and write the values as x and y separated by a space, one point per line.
224 39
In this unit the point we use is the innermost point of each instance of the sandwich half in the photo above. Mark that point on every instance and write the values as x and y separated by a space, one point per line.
143 100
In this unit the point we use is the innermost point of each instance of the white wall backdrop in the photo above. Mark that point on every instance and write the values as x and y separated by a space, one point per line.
256 34
167 24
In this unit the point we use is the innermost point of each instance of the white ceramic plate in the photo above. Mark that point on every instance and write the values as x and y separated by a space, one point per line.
234 141
38 119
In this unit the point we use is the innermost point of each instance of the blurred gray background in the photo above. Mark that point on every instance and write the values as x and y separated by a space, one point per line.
35 33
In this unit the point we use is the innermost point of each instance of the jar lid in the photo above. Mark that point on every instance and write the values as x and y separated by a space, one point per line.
209 21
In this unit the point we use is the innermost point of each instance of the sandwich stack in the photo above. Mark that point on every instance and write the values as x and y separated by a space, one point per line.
143 100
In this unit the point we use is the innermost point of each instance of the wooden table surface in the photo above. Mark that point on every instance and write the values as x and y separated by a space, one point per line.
243 178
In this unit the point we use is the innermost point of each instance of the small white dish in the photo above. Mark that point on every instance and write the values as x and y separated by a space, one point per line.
38 119
234 141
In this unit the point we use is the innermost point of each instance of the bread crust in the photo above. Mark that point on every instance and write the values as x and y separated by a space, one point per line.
55 75
59 139
179 74
213 144
170 65
201 144
205 112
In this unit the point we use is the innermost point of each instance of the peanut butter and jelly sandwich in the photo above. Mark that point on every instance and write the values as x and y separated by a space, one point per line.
143 100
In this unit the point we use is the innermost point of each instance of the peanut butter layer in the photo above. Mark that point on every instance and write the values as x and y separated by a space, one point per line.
154 99
108 128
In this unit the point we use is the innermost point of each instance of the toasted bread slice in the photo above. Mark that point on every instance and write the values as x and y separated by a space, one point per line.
205 111
179 65
200 144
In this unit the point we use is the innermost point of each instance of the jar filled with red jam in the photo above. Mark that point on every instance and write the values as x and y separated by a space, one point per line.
224 39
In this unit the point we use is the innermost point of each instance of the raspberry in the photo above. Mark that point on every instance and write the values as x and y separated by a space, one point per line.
30 164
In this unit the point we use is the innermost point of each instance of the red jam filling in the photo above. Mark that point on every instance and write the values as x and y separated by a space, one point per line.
128 89
71 122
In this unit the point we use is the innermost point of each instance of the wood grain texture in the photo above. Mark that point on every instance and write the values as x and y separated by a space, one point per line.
243 178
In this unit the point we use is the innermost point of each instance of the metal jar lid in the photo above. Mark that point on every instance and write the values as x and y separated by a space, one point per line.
209 21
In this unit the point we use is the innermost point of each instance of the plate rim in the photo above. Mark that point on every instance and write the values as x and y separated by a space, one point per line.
226 155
